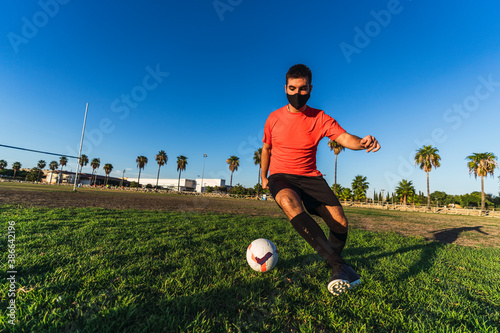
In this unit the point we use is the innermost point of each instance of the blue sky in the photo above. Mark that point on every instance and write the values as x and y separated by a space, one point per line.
195 77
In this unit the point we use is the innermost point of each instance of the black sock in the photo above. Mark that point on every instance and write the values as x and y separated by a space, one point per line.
338 240
314 235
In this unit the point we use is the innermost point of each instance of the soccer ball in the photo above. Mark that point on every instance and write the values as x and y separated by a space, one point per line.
262 255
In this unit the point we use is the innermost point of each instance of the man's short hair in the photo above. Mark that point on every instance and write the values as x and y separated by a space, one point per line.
299 71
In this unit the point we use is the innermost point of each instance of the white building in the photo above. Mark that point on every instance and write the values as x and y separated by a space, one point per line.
52 177
189 185
209 182
171 184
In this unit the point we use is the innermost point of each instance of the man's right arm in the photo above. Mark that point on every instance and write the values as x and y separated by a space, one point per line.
265 158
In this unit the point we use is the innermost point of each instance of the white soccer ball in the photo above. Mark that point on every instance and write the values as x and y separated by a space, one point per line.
262 255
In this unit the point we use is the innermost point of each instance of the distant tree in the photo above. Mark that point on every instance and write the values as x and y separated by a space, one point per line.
345 194
16 166
359 187
473 199
83 161
404 190
257 155
258 189
239 189
107 169
222 189
439 196
482 164
161 159
3 164
134 184
141 163
41 164
209 189
181 166
336 188
337 148
95 164
33 175
427 157
52 166
234 163
63 160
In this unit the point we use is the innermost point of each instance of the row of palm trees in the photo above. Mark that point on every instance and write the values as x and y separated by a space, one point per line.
95 163
427 157
162 159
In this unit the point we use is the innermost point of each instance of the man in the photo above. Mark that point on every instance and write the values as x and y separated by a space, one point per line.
291 137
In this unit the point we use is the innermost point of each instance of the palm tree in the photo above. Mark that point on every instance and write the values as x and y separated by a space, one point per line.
41 164
52 166
107 169
141 163
359 187
427 157
234 163
161 159
3 164
84 160
16 166
337 148
257 159
181 166
345 193
482 164
405 189
62 162
95 164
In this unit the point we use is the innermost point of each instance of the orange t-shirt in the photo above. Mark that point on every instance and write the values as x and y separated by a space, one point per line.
294 139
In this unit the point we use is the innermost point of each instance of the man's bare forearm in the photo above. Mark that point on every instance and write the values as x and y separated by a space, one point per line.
264 162
265 159
354 142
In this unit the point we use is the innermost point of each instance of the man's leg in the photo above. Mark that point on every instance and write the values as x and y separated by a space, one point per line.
336 221
346 277
290 202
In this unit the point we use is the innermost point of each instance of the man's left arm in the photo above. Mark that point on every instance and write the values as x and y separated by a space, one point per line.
354 142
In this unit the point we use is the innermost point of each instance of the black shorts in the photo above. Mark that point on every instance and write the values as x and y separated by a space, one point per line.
313 191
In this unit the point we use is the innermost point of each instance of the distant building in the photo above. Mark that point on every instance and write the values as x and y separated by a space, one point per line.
83 178
209 182
189 185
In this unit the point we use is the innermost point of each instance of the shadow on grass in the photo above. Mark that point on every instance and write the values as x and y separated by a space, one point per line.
369 258
451 235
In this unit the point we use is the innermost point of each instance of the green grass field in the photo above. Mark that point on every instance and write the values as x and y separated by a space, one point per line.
98 270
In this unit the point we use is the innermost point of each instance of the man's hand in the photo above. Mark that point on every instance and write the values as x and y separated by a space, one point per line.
265 181
370 143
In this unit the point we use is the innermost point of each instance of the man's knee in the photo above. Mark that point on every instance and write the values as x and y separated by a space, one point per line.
290 202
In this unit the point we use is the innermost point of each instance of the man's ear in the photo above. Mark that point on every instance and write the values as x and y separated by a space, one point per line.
310 88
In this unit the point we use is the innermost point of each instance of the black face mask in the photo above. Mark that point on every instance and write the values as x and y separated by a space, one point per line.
298 100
